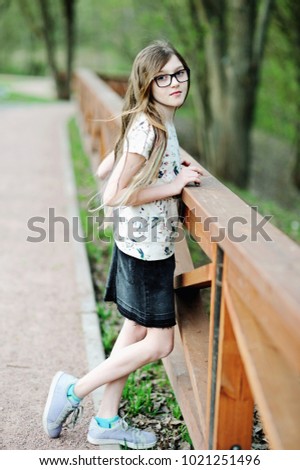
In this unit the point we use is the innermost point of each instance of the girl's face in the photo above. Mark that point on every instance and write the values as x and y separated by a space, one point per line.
168 91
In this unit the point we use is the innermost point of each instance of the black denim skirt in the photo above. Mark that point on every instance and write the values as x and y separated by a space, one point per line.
142 290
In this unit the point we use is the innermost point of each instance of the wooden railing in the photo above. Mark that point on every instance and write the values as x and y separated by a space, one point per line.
246 352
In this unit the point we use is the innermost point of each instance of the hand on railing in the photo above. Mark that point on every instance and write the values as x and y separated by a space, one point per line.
188 174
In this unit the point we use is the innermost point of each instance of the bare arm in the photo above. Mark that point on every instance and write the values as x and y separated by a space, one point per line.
124 171
128 167
105 166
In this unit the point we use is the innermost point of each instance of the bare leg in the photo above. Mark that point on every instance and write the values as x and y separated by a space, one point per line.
157 343
130 333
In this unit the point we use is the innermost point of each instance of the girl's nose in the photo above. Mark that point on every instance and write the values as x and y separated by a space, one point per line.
174 82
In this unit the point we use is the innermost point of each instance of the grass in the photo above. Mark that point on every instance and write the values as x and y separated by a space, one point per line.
285 220
13 97
9 91
148 398
276 111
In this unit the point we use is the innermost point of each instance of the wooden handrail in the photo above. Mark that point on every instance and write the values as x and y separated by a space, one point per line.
248 349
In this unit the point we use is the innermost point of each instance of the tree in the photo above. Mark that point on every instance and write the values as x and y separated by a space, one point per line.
287 18
45 27
232 34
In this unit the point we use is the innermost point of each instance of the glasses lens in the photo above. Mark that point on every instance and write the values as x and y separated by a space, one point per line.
182 75
163 80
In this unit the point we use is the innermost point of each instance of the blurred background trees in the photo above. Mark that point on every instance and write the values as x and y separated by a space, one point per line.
232 36
53 25
243 56
287 21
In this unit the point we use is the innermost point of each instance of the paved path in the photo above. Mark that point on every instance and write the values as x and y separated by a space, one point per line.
47 322
39 87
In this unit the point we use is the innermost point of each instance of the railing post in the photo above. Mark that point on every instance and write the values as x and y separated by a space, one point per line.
230 402
214 335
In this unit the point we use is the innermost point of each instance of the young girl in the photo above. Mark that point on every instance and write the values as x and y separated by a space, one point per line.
146 177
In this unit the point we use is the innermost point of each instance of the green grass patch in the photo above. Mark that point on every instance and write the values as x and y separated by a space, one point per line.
276 110
13 97
285 220
9 92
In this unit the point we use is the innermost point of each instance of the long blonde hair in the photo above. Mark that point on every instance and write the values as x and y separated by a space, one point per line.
147 64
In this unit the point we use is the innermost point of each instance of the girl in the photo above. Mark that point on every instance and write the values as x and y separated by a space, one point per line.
145 181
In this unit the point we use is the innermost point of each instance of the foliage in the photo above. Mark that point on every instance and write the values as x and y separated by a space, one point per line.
276 111
287 221
132 28
111 32
287 16
13 97
39 35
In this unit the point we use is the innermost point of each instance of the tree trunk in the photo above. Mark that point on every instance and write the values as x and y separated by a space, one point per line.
47 32
235 35
233 98
230 142
69 11
62 78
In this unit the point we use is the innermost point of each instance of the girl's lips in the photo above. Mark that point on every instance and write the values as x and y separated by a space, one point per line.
175 93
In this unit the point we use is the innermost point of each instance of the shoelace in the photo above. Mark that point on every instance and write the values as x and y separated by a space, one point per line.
75 417
137 433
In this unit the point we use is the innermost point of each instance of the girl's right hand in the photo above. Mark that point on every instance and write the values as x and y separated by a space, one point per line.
188 174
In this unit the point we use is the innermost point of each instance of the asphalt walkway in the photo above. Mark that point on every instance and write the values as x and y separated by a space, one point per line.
47 319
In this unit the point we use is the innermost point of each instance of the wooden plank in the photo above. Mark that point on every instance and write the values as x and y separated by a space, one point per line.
193 326
274 263
211 352
95 136
194 332
194 224
183 258
103 93
275 387
234 399
277 327
198 278
179 378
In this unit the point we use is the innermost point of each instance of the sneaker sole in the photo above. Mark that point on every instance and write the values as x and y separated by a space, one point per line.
49 399
131 445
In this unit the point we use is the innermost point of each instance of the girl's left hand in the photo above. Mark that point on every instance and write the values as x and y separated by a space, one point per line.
188 163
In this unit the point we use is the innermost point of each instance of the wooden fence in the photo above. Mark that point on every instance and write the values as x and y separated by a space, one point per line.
246 352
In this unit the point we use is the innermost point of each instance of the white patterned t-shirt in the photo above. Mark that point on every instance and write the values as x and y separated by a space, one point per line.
148 231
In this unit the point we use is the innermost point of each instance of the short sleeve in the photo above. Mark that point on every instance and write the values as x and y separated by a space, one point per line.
140 137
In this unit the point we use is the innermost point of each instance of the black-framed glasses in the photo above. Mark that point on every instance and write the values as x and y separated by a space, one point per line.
165 79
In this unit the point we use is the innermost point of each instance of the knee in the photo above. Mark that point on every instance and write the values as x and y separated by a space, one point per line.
166 348
139 332
134 331
159 350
